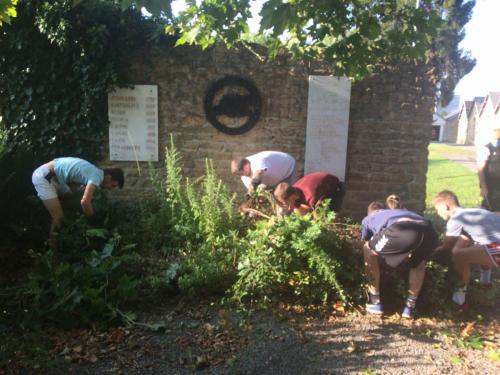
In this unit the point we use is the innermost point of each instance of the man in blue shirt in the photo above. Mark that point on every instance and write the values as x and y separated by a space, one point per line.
52 179
396 235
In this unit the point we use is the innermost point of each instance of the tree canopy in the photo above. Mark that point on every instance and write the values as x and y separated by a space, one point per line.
7 10
58 63
351 35
60 57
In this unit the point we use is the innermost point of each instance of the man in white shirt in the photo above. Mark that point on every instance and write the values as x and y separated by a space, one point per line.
473 236
267 168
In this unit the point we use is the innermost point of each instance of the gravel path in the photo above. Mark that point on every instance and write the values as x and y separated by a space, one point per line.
354 345
206 340
462 154
467 161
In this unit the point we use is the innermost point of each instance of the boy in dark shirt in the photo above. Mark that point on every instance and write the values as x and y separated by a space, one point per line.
396 235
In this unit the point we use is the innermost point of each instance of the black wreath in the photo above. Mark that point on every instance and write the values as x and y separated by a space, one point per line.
234 105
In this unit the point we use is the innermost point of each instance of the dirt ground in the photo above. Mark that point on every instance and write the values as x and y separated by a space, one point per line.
208 339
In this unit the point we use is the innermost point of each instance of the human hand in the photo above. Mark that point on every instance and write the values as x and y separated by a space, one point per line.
87 208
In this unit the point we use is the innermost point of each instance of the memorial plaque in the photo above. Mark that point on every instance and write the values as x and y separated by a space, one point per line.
327 125
133 129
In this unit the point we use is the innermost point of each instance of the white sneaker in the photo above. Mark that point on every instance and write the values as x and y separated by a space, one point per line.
459 296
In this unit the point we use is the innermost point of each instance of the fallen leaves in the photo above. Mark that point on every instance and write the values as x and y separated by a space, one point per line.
116 336
78 345
468 329
213 337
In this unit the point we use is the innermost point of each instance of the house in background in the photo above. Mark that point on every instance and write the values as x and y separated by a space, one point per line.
438 123
467 119
471 123
445 121
489 114
450 129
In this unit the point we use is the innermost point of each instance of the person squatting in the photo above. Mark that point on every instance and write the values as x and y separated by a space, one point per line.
390 232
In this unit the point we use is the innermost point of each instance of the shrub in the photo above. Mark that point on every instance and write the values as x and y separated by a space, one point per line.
145 223
296 256
203 227
15 186
86 282
22 224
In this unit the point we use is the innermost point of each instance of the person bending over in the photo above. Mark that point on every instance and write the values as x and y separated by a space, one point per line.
51 180
473 237
303 196
396 235
267 168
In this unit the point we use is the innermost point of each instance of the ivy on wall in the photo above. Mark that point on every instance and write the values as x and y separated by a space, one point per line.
57 64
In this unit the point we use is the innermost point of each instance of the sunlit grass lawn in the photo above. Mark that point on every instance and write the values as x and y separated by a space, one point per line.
446 174
452 149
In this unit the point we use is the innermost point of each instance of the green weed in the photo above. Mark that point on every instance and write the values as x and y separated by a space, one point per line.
296 256
203 227
84 283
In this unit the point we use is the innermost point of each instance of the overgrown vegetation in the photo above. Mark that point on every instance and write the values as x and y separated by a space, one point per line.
86 282
204 227
59 61
297 256
191 240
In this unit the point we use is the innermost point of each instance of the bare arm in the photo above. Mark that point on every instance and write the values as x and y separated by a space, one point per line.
86 201
255 181
258 173
302 209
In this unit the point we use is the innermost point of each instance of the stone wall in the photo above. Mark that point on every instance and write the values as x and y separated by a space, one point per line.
389 132
390 121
